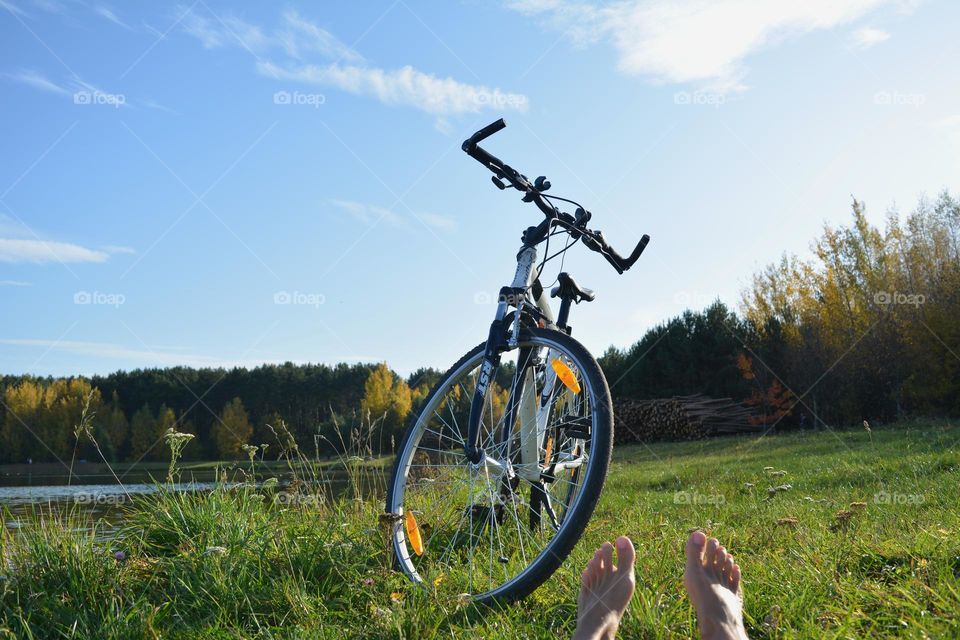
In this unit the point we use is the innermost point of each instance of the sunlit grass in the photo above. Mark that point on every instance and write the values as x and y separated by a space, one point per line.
860 537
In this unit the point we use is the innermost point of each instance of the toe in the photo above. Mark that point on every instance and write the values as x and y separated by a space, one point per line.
626 554
695 548
721 559
728 570
607 556
593 568
735 578
710 557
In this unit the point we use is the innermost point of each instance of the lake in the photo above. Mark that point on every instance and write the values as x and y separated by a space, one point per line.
96 490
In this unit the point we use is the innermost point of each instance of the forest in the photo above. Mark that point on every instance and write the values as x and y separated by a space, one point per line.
866 328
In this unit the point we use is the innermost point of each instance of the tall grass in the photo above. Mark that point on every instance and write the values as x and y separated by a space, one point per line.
267 559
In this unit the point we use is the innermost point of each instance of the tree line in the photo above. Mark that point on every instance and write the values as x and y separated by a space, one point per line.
868 328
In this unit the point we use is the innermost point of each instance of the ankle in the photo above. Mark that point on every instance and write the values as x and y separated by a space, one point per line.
722 630
607 630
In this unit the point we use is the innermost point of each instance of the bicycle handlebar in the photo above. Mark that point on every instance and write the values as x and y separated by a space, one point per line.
484 133
593 240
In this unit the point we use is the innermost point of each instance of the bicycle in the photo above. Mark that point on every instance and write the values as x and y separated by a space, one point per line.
496 478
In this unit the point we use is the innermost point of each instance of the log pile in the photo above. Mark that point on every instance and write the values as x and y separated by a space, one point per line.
679 418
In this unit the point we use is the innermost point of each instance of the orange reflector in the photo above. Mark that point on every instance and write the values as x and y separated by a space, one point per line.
413 532
566 375
546 457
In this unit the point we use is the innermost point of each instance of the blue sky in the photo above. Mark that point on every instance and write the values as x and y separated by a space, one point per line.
233 183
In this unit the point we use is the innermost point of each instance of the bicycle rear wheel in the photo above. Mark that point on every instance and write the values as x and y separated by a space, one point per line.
498 535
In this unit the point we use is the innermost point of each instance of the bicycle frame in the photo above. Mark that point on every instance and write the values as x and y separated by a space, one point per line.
533 415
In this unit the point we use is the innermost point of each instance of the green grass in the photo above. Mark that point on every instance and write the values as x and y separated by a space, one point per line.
240 564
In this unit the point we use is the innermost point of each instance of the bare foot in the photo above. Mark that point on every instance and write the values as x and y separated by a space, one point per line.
605 591
712 580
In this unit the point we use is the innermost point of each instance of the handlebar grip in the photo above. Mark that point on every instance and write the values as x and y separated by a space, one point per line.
483 134
620 263
636 252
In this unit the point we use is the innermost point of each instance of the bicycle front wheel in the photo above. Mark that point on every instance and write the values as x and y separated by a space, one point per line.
498 530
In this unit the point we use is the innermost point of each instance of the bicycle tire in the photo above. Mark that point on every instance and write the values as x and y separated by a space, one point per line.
552 556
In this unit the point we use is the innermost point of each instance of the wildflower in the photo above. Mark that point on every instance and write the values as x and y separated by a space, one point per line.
119 556
866 426
368 582
380 612
437 581
768 469
396 597
176 441
250 450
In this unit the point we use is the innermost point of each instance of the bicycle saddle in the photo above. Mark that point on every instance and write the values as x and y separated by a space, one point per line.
568 288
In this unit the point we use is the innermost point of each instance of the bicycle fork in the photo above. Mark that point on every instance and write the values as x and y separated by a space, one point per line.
533 415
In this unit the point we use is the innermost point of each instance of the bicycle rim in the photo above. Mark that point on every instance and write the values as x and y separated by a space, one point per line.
479 532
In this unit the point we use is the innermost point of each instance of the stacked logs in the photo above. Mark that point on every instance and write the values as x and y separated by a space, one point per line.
679 418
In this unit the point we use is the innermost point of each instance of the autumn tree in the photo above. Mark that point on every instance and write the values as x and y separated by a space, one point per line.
232 430
387 399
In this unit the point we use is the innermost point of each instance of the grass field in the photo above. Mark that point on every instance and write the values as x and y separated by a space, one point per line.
861 540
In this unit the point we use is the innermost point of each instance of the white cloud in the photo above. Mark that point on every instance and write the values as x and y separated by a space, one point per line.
437 221
302 36
868 36
147 356
38 81
368 214
344 68
80 91
296 36
693 40
401 87
950 122
43 251
108 14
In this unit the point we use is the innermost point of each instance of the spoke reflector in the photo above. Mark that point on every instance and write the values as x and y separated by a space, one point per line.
566 375
546 457
413 531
